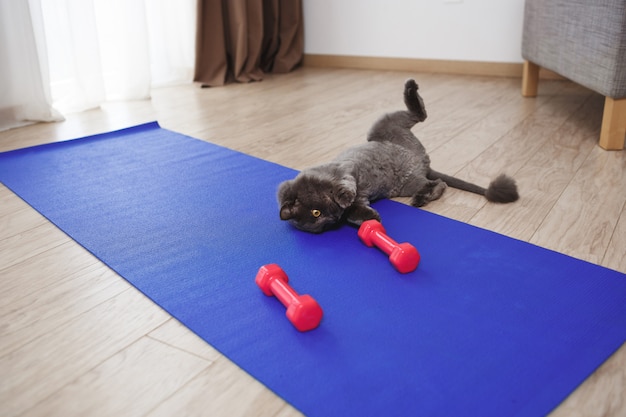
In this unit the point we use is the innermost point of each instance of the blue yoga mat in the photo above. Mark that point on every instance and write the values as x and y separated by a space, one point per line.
486 326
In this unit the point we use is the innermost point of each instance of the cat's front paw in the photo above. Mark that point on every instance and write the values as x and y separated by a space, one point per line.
356 215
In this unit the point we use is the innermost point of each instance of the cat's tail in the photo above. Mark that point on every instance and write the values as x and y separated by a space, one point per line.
413 101
501 190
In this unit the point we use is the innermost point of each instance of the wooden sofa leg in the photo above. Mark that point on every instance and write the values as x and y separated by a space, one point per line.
613 124
530 79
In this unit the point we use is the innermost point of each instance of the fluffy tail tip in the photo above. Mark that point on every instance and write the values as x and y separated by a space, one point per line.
502 190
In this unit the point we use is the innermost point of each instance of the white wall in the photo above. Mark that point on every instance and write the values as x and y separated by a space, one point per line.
460 30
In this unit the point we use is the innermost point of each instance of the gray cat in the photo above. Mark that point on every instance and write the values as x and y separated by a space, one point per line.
393 163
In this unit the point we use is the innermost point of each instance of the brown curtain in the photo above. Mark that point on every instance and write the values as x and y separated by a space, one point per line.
241 40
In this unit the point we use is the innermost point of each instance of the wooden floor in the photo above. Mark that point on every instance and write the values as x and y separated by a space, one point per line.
78 340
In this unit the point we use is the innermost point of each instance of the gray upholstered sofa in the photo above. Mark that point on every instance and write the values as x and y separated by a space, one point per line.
584 41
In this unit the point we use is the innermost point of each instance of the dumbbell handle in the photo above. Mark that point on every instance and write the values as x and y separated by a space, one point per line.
283 291
384 242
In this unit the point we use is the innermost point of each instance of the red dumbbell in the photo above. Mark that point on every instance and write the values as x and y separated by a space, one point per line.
302 310
403 256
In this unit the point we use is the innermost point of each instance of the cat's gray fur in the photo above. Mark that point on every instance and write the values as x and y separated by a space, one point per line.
393 163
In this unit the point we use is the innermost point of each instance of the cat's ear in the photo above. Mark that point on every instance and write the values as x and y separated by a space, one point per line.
286 212
286 199
344 193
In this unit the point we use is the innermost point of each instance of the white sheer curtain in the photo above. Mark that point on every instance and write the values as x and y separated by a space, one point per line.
24 80
97 50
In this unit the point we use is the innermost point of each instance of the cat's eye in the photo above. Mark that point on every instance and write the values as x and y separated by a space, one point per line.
316 213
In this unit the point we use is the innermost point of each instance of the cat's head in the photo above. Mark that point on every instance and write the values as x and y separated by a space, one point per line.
313 203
